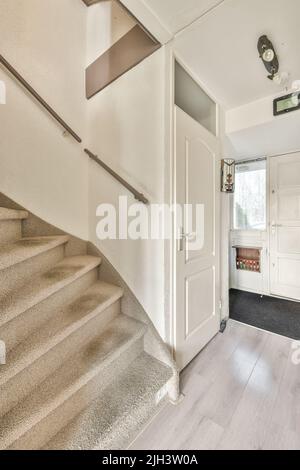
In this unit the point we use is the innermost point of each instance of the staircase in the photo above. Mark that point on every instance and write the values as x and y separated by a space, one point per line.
76 375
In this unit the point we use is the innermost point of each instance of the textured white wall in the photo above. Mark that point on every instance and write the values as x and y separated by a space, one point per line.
39 168
126 130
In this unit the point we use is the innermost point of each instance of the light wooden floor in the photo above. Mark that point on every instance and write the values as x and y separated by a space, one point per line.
241 392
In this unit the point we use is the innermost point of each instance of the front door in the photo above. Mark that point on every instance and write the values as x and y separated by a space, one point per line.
198 255
285 226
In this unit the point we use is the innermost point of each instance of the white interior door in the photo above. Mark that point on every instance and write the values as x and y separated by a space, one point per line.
285 226
197 267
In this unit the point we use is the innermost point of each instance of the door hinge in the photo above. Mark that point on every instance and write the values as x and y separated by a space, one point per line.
223 326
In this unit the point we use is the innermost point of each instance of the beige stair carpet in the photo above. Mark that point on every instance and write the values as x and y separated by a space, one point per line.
10 226
77 375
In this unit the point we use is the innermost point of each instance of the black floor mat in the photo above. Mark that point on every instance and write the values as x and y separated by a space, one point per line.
268 313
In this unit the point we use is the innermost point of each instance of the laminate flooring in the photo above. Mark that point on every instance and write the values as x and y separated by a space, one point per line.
241 392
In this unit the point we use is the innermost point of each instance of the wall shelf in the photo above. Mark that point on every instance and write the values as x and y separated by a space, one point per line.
248 258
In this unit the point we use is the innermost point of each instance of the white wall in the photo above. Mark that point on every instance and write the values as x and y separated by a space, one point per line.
40 169
252 130
106 24
126 130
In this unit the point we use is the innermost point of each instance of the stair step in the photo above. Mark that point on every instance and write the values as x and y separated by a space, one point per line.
28 257
11 214
71 388
112 420
29 307
45 285
10 231
27 248
40 354
11 225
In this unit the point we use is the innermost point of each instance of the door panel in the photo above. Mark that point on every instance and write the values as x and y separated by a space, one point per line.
289 272
200 297
196 192
287 173
289 205
197 267
288 240
285 226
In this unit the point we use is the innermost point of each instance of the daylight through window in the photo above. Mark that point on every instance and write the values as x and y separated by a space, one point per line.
250 196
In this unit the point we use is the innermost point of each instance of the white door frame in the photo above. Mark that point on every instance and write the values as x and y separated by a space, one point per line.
171 184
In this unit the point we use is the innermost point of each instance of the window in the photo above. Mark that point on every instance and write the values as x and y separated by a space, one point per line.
194 101
250 196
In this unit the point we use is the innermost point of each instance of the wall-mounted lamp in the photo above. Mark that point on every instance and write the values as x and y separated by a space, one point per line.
268 55
227 175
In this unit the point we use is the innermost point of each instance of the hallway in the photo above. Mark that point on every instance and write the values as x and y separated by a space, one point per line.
241 392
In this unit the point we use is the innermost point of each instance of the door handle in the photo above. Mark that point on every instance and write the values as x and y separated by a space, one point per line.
190 236
185 237
274 226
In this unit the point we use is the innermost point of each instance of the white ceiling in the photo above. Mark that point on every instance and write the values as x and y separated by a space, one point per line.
280 136
176 14
221 47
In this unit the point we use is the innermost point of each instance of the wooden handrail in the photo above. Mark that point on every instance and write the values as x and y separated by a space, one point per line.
139 196
31 90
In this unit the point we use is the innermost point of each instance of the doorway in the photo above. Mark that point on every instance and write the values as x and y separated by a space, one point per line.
285 226
197 257
265 249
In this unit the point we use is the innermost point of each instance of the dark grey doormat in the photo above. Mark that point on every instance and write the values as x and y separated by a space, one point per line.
268 313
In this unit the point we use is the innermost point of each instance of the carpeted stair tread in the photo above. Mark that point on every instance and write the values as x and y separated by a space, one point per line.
26 248
112 420
63 323
11 214
43 286
74 374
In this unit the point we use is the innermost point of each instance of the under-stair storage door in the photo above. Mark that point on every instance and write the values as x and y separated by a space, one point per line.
197 266
285 226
